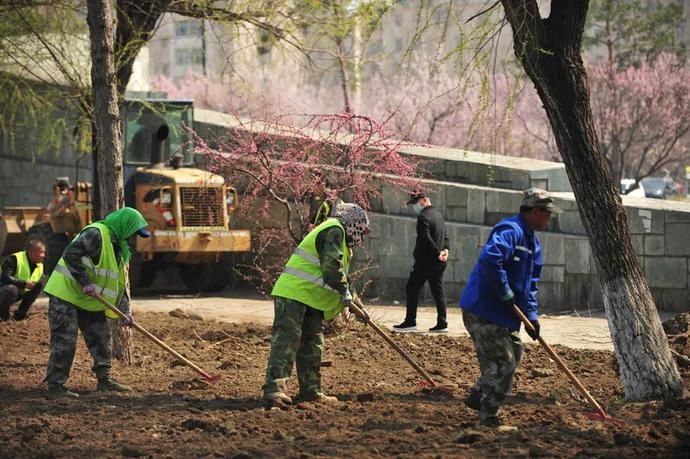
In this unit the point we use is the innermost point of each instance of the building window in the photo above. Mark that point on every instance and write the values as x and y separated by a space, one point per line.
189 56
187 28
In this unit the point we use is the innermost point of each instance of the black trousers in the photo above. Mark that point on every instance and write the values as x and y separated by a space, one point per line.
10 294
420 274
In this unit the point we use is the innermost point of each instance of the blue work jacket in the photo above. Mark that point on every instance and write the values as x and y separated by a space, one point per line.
509 265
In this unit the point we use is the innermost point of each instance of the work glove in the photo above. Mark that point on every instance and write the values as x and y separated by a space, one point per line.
90 289
534 334
127 321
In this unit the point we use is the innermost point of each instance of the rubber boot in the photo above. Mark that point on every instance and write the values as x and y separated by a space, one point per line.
110 385
319 398
56 391
277 398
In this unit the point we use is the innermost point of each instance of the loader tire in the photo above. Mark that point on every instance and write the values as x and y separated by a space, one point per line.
55 244
207 277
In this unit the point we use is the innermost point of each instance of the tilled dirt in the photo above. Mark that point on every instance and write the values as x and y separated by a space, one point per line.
174 414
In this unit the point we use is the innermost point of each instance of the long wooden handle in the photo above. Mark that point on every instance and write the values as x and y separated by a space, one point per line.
559 362
150 336
358 309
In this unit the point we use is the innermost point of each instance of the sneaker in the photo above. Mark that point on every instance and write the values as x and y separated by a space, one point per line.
405 327
439 328
319 397
56 391
277 398
110 385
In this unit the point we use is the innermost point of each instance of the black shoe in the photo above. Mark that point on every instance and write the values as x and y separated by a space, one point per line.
473 400
493 421
439 328
405 327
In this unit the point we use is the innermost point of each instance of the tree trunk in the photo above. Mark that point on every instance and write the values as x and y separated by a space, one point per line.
549 50
107 132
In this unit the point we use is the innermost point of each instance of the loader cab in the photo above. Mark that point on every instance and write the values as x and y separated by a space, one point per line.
153 130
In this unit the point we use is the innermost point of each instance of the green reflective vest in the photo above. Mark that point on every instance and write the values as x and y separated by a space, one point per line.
302 279
23 268
107 274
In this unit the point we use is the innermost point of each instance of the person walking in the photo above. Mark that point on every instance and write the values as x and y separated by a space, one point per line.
430 260
92 264
21 280
312 287
506 274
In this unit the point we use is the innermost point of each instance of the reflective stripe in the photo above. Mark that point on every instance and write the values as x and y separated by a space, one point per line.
300 252
317 280
524 249
104 272
64 270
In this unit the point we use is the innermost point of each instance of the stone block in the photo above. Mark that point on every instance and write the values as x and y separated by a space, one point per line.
676 238
456 196
654 245
395 266
596 298
503 202
677 217
550 297
476 205
456 214
645 221
666 272
569 223
576 289
394 200
577 255
675 300
551 273
519 180
553 248
638 243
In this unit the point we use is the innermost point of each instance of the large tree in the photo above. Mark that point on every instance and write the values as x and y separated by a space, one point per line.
549 50
106 110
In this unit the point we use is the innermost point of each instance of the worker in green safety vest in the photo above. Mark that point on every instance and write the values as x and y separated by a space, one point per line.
21 280
313 286
92 264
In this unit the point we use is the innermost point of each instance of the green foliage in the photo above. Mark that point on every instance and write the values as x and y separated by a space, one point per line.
631 32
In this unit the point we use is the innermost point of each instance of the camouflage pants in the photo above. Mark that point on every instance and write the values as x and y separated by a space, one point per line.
10 294
296 337
65 320
498 352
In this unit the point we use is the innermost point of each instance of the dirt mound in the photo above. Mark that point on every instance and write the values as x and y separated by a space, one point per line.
677 325
172 413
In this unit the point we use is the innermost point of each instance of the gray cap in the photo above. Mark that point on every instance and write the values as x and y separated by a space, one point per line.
536 197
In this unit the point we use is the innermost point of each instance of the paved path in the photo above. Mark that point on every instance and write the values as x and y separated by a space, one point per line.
582 331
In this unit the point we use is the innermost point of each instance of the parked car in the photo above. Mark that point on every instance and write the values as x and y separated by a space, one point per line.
628 190
657 187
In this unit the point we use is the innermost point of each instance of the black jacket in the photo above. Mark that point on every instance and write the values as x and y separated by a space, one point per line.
9 272
432 237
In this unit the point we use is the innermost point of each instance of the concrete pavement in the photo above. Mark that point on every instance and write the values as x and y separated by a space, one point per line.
582 332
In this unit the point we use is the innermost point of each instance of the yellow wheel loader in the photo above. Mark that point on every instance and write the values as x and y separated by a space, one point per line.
188 209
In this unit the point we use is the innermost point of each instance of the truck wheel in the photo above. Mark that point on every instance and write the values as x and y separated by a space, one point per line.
141 273
207 277
55 244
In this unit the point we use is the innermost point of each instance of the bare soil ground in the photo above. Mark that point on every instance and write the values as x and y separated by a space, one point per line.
382 413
